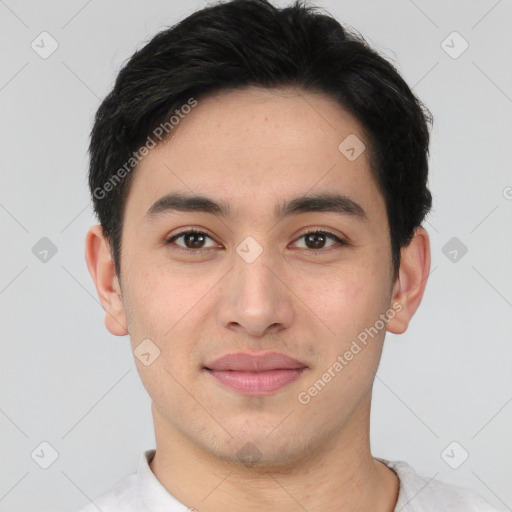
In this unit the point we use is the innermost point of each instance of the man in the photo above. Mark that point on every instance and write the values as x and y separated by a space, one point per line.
260 177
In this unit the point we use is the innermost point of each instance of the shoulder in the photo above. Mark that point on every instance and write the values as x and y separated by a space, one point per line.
122 497
135 492
419 493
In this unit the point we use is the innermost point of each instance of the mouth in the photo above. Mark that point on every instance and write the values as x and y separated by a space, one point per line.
255 374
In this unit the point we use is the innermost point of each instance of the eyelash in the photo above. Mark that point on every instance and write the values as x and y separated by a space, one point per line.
338 240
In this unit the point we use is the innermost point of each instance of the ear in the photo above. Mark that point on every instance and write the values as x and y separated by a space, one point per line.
411 281
102 270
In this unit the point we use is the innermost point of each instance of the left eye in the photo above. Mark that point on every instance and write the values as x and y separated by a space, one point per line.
316 238
194 240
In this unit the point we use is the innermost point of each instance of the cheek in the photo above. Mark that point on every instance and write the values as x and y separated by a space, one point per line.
162 308
160 299
168 307
344 300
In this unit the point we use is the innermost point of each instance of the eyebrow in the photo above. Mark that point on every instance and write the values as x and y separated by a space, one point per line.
321 202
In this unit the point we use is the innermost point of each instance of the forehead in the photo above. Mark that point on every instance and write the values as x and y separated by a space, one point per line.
255 147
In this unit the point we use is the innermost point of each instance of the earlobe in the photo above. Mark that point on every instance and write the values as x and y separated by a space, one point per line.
102 270
411 281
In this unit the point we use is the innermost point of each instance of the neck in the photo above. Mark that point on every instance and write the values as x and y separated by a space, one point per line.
341 475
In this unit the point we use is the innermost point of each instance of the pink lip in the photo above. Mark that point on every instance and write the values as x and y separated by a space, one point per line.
258 362
255 374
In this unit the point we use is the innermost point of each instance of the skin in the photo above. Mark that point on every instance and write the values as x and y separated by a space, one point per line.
254 148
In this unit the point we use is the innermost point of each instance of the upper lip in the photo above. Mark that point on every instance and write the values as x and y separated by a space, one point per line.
246 362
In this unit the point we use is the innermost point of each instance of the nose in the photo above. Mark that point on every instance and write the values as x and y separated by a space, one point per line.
256 298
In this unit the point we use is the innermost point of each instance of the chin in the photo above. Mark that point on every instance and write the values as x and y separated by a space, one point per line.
259 452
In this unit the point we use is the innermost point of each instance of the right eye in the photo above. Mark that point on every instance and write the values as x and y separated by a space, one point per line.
193 240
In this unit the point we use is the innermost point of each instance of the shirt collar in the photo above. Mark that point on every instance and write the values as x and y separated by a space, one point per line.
154 495
157 498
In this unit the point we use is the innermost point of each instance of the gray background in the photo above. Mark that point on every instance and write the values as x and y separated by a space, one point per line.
67 381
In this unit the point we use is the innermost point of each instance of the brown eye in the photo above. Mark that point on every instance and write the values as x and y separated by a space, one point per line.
316 240
192 240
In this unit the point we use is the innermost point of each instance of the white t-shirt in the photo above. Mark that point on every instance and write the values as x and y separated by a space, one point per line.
142 492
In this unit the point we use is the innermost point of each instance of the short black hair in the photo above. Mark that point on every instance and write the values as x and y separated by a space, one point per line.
228 46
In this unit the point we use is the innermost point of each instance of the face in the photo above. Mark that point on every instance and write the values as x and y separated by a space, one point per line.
255 282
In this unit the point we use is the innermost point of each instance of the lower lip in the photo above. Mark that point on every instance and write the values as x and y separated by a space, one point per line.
256 384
